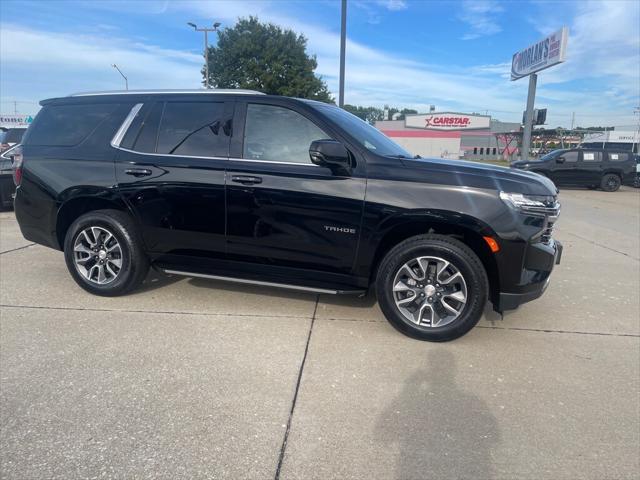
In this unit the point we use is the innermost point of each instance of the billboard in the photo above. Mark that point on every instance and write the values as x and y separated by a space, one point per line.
12 121
447 121
543 54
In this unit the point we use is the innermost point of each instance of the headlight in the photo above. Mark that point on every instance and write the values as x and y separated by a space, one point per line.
540 204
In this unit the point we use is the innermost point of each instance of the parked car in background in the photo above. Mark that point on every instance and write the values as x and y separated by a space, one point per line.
11 137
578 167
7 185
252 188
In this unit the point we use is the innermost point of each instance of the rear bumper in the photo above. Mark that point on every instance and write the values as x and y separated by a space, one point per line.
541 262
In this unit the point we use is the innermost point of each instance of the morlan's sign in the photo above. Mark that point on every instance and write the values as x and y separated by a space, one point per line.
547 52
447 121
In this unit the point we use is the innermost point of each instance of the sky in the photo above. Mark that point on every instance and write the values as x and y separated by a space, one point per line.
455 55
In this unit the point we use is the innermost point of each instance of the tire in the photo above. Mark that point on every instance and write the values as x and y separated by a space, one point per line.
610 182
125 264
434 251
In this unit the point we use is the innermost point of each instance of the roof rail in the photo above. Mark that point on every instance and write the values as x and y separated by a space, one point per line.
169 91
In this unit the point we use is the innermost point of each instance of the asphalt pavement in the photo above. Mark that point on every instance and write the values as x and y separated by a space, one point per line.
190 378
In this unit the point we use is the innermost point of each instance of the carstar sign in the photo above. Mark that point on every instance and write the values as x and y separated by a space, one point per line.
447 121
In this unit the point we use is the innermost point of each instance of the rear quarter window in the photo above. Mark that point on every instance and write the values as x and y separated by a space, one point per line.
68 125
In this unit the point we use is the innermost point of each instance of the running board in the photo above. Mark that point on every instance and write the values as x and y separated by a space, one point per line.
265 284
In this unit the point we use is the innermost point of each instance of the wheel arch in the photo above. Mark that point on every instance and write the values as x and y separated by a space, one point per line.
468 230
76 206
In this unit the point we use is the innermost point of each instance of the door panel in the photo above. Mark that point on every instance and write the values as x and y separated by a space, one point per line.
176 190
292 213
589 168
297 216
564 173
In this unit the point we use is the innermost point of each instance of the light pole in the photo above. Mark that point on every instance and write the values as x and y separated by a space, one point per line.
126 82
206 47
343 41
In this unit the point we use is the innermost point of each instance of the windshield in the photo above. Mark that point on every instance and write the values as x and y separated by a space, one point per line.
369 137
550 155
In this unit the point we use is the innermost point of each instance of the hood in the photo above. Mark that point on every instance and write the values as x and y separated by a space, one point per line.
480 175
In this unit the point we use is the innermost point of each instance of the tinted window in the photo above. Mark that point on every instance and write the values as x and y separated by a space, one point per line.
193 128
147 137
14 135
68 125
278 134
592 156
369 137
570 157
618 157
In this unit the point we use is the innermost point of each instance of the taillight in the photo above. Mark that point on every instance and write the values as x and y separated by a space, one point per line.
17 159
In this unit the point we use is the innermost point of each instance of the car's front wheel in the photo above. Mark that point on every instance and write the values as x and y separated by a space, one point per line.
432 287
104 253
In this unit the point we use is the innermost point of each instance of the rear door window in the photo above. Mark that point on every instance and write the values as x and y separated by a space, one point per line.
68 125
146 136
618 156
193 129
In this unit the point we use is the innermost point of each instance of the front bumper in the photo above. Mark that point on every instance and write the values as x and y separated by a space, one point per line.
540 260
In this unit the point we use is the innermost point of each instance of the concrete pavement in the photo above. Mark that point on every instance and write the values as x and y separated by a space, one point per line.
202 379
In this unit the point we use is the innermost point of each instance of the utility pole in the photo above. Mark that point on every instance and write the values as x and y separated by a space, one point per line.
126 81
528 118
206 47
343 41
637 139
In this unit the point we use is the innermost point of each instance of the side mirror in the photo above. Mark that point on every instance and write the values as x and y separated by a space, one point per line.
560 160
331 154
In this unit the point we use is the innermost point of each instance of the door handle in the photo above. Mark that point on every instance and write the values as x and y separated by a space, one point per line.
138 172
246 179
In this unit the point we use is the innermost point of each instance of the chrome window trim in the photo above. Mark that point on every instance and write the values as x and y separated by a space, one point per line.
213 158
117 138
275 162
211 91
169 155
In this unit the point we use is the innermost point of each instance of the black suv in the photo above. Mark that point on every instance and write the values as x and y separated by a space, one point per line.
277 191
592 168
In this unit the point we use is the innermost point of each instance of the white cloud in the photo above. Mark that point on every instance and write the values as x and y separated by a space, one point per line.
52 64
393 5
481 17
41 64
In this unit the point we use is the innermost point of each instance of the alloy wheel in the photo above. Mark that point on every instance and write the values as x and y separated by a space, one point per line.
97 255
429 291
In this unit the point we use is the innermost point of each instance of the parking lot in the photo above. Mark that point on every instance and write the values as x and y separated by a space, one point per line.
191 378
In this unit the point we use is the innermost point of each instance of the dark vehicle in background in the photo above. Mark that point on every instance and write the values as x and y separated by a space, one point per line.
276 191
7 185
580 167
11 137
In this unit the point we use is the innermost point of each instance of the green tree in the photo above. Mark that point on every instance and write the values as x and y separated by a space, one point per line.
264 57
368 114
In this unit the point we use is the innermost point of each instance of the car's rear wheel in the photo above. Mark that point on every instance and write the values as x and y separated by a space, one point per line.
432 287
104 253
610 182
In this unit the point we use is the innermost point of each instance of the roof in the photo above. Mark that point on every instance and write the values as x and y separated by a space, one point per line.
169 91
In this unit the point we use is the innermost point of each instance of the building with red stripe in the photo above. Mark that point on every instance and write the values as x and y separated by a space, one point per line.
454 135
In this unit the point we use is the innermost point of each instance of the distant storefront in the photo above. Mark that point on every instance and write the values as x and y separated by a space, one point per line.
454 135
14 121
